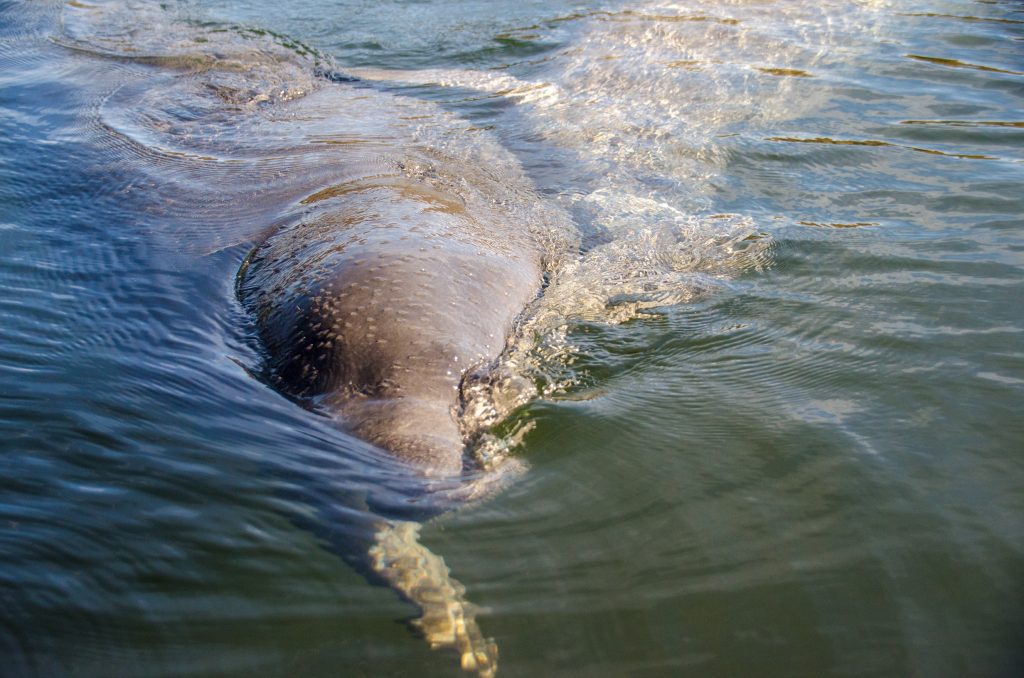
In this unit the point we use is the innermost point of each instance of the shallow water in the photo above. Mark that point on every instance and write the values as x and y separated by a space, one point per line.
778 424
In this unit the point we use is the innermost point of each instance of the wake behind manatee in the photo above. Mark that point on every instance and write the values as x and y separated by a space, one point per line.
627 120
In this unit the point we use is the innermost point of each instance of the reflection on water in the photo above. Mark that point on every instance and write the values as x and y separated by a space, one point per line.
769 401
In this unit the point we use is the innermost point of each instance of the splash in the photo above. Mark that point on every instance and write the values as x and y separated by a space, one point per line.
625 124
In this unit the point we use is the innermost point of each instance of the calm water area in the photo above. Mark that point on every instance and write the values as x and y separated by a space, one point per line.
778 419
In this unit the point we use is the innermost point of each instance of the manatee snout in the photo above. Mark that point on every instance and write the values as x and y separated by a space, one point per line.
375 306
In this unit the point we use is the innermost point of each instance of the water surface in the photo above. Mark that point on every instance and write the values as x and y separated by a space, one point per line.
777 429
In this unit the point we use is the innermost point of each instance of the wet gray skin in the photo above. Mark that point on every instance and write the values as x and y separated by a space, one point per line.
376 306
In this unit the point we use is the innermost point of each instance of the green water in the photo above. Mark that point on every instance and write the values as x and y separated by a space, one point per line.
780 428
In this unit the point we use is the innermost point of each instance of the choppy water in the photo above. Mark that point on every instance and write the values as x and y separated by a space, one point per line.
778 428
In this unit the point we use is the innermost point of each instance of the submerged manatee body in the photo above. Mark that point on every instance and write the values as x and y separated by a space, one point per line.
377 305
394 248
373 306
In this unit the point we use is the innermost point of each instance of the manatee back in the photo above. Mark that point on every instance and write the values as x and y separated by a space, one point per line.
376 307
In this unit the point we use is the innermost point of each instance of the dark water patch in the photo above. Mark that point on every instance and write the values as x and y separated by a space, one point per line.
967 18
876 143
786 72
963 123
956 63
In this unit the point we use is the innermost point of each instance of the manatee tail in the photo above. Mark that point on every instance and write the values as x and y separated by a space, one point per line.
448 620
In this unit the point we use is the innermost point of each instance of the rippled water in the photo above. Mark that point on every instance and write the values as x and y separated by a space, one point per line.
773 388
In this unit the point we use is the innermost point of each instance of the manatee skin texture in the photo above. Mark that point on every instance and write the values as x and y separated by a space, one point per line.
374 307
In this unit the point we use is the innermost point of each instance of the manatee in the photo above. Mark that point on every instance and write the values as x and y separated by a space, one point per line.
395 250
376 306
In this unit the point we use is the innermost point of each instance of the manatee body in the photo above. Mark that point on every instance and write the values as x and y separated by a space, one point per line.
375 305
403 245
